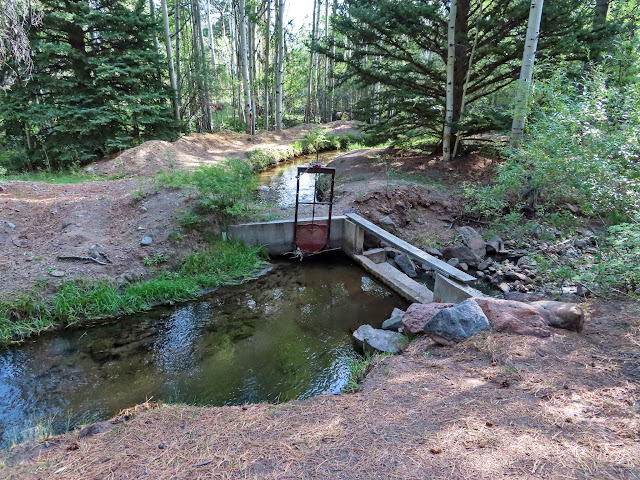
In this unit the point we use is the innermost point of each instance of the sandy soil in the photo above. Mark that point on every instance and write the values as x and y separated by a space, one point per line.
40 222
496 406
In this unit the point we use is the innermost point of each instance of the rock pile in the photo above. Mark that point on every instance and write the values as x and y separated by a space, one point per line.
446 323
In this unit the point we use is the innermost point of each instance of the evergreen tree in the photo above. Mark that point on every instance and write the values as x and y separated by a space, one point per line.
403 46
97 85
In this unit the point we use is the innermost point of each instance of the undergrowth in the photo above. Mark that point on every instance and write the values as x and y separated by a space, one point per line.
221 263
358 368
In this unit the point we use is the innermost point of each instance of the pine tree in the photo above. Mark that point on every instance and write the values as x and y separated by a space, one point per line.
97 85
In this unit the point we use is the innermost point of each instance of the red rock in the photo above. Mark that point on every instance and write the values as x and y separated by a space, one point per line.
569 316
515 317
418 314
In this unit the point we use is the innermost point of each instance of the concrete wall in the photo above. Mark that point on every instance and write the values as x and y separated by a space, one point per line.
277 236
448 290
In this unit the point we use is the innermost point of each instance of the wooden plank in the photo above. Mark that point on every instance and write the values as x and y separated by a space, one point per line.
438 265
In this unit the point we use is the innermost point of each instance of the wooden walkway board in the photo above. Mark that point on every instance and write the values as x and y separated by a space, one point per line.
438 265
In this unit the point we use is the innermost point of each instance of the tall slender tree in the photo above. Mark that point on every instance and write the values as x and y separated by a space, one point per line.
526 72
451 57
172 72
280 66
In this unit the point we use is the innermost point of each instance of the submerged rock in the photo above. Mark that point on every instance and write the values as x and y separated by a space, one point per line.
374 340
457 323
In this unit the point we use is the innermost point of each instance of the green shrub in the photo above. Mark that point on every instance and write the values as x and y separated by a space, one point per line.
581 146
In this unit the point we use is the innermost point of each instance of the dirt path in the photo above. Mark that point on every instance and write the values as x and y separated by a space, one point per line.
498 406
40 221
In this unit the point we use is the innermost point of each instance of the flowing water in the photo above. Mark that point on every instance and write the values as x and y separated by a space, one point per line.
281 337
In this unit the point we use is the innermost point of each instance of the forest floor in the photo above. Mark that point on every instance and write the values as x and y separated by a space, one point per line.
495 406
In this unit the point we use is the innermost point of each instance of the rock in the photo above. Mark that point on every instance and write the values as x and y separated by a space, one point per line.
146 241
387 223
472 239
9 225
57 273
434 252
495 245
457 323
375 340
127 277
419 221
526 261
464 267
581 243
376 255
522 297
401 205
350 210
480 274
263 188
95 429
504 287
462 253
143 209
514 317
394 322
454 262
486 263
511 275
568 316
406 265
392 252
418 314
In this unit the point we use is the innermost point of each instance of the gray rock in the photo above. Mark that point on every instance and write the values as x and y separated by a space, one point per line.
146 241
406 265
394 322
434 252
57 273
457 323
494 245
375 340
401 204
454 262
472 239
486 263
143 209
9 224
462 253
127 277
419 221
263 188
464 267
387 223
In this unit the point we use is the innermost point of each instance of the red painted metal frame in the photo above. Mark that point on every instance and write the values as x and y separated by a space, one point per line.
321 170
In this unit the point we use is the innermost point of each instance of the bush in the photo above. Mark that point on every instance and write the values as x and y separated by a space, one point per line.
582 146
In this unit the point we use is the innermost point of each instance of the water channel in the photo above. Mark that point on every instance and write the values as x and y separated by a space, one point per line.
283 336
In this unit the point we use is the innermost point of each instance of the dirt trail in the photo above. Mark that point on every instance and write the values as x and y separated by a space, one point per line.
496 406
40 221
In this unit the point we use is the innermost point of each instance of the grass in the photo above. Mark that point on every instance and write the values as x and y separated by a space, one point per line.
358 368
57 178
221 263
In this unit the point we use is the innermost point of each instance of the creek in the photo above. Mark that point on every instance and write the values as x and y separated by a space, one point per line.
283 336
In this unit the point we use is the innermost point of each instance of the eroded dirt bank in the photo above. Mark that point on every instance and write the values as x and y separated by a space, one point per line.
496 406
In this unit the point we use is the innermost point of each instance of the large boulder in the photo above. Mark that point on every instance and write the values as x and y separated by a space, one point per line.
406 264
463 253
394 322
514 317
418 314
495 245
562 315
457 323
472 239
374 340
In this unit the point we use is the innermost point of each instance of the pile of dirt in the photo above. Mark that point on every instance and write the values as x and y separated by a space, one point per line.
202 149
495 406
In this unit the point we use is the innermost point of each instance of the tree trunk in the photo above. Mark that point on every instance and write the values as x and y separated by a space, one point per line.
280 71
204 100
316 68
307 111
526 72
152 11
332 66
266 67
451 55
176 19
325 88
211 44
599 22
172 73
244 59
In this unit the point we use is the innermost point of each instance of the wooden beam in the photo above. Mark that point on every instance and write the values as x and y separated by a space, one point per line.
438 265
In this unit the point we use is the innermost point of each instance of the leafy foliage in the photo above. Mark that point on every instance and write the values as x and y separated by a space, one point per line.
582 146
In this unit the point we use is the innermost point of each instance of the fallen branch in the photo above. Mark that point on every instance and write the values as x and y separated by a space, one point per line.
76 257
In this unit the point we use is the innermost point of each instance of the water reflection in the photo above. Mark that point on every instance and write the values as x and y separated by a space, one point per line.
284 336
